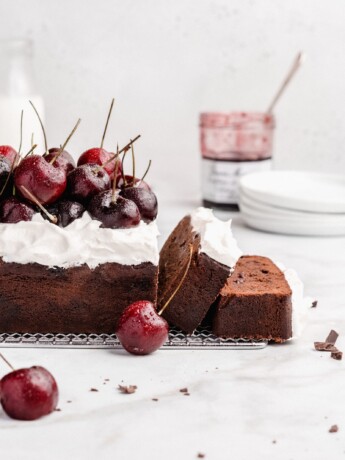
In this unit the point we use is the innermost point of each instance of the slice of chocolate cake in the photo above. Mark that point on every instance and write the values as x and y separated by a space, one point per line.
255 303
214 254
76 279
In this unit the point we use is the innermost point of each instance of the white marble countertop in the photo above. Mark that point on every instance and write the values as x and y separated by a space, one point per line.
278 402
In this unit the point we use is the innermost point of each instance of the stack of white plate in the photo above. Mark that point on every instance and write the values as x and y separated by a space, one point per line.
294 202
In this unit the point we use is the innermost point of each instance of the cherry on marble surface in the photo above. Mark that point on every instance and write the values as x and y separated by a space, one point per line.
140 329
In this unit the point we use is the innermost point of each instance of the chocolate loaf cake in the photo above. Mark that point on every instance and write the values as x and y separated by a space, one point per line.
214 253
77 279
255 303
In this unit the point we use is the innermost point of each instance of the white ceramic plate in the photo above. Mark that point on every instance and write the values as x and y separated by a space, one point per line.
297 190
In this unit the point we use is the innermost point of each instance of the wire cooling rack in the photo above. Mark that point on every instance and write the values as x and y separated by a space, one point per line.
201 339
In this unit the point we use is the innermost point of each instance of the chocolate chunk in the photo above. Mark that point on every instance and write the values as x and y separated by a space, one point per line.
332 337
324 346
129 389
333 429
337 354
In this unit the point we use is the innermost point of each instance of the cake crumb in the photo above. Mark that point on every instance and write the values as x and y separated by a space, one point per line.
337 354
314 304
200 455
93 389
184 390
57 409
274 441
69 401
334 429
155 399
127 389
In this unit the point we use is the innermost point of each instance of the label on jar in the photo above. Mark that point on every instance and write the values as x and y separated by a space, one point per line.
220 178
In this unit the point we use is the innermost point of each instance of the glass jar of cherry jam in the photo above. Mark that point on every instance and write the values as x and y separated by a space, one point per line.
232 144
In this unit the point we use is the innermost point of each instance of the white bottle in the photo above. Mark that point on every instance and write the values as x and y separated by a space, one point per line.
17 88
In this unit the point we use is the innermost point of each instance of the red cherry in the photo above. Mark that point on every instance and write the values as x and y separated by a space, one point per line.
145 199
45 181
100 156
86 181
140 329
64 161
12 211
8 152
28 394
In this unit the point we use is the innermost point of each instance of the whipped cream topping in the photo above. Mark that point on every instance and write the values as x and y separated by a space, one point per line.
300 304
81 242
216 239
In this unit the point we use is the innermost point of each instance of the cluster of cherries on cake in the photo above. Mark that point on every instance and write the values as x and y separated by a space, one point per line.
63 190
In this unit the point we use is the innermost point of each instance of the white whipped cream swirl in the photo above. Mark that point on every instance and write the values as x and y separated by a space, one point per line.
81 242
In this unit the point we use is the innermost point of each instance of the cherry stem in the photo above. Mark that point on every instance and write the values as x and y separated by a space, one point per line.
133 166
32 139
107 122
113 197
43 130
21 132
62 147
145 173
31 150
7 362
123 169
180 283
124 149
42 208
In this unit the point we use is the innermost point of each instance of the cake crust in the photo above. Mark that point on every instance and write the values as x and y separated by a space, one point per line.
202 284
255 303
38 299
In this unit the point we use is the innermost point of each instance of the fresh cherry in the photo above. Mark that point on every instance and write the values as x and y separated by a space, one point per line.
5 171
100 156
8 152
140 329
66 212
114 213
87 180
64 161
28 394
44 180
12 211
129 182
145 200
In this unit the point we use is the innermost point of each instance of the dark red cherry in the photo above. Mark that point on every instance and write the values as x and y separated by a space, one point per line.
129 182
64 160
5 170
121 213
8 152
12 211
86 181
66 212
100 156
45 181
28 394
140 329
145 200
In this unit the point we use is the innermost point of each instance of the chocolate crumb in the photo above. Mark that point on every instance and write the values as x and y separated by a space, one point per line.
129 389
93 389
68 402
154 399
274 441
184 390
337 354
186 394
333 429
200 455
106 380
314 304
332 337
57 409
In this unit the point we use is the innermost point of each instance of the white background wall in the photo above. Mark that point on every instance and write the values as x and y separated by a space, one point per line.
165 61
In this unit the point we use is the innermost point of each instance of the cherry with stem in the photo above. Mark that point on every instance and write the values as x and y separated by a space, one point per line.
43 130
124 149
32 197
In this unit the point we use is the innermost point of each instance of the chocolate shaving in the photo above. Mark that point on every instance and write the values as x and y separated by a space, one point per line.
332 337
337 354
129 389
93 389
333 429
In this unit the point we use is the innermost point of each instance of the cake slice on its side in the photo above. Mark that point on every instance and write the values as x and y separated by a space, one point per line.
215 253
255 303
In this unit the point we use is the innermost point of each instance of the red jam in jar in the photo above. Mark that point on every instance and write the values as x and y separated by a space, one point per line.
232 144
